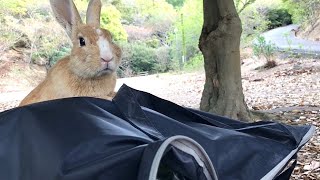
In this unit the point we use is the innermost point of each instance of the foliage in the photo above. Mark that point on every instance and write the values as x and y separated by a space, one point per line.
111 20
163 58
254 22
127 10
278 18
159 52
242 4
139 57
184 39
153 42
263 48
14 7
195 63
176 3
58 54
9 32
303 11
158 14
32 27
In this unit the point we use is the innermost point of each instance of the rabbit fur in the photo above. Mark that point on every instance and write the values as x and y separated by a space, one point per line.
90 69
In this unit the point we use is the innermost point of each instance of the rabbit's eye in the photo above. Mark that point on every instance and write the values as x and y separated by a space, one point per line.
82 41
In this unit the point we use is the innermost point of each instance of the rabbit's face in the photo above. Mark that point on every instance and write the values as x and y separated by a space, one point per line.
94 54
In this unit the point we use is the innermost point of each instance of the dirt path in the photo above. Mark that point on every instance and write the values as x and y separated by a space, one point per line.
293 83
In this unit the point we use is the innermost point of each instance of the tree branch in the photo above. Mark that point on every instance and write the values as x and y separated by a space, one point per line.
244 5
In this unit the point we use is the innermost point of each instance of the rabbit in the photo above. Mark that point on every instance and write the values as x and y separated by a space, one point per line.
90 69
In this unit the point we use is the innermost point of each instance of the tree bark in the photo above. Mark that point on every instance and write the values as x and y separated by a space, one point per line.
220 43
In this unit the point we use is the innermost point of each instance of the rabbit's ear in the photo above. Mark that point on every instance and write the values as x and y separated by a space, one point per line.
66 14
93 13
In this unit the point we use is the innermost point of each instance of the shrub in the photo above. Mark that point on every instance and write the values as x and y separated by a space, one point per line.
143 58
47 38
9 32
176 3
262 48
195 63
57 54
154 43
138 57
164 61
278 18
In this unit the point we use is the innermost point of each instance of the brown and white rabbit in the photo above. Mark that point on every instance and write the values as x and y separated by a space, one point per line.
90 69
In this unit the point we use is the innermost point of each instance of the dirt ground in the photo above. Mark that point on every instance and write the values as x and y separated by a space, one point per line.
289 91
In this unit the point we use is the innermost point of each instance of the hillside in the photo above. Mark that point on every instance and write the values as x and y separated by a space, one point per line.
311 32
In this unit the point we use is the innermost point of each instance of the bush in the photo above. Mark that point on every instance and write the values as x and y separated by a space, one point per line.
154 43
9 32
138 57
143 58
164 61
278 18
58 54
176 3
195 63
265 49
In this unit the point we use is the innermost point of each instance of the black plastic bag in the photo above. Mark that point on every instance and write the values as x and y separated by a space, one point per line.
139 136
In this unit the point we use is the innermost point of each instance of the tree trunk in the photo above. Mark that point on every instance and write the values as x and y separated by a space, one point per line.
220 43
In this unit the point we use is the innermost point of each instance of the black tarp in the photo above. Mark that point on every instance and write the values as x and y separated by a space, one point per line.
88 138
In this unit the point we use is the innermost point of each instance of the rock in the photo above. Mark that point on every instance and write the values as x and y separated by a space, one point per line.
307 167
296 67
302 118
286 113
306 103
315 164
296 111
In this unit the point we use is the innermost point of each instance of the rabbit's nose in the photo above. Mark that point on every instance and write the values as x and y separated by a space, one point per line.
107 59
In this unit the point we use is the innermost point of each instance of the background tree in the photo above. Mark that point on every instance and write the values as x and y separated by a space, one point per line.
192 13
176 3
303 11
219 43
243 4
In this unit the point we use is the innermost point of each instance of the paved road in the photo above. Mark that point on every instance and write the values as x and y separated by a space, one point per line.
284 39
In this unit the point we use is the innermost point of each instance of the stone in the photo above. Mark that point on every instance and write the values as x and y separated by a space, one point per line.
302 117
296 111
